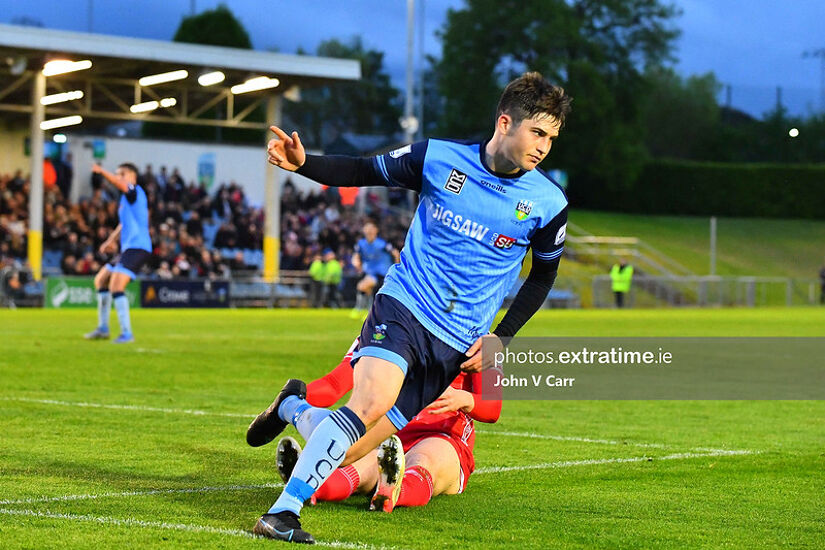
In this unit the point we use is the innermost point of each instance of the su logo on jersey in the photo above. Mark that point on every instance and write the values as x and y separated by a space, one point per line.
503 241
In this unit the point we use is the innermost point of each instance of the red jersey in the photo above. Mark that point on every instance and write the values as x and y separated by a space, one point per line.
457 424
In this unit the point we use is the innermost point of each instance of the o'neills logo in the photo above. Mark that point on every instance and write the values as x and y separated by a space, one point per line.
459 223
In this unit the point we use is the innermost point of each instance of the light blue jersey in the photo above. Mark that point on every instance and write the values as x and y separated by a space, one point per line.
472 228
134 219
376 256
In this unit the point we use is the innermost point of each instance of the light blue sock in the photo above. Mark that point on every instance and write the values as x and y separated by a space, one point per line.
122 308
324 452
302 415
104 306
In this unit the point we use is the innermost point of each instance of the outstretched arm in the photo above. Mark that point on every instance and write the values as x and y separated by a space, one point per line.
392 170
110 244
469 399
288 152
114 179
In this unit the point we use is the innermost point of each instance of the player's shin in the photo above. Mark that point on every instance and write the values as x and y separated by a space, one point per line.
416 488
104 306
302 415
340 485
324 452
122 308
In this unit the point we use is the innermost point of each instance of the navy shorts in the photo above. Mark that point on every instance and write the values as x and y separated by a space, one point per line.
392 332
130 261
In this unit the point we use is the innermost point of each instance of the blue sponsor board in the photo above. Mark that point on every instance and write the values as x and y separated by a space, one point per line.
184 293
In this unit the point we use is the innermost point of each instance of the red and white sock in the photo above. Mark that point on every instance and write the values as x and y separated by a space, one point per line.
416 487
340 485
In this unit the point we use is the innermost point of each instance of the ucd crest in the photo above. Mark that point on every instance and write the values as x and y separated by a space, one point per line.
379 333
523 209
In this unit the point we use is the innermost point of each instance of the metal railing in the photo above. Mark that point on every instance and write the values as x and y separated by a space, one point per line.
580 243
709 291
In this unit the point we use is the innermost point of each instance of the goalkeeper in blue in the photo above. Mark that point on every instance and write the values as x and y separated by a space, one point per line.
482 205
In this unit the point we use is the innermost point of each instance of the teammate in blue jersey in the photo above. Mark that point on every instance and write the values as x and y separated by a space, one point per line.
482 205
373 257
135 251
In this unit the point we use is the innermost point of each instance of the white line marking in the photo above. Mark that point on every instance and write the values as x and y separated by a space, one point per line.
597 461
571 438
532 435
147 492
129 522
195 412
487 470
139 408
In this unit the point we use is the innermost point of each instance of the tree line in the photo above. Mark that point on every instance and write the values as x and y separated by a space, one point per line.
615 57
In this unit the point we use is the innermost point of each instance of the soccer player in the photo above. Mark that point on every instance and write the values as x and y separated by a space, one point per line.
436 445
373 257
135 250
482 205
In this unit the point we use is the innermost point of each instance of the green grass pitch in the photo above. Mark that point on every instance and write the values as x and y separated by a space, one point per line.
143 446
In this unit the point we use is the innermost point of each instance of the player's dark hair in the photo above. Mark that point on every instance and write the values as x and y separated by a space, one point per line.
132 168
530 95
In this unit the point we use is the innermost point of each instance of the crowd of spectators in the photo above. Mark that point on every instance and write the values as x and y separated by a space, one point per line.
313 222
179 213
14 213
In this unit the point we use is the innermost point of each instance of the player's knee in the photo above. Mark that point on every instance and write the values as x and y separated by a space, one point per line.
102 280
370 409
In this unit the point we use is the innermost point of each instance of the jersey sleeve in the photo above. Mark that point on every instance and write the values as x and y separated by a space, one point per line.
483 410
548 245
131 194
403 167
548 241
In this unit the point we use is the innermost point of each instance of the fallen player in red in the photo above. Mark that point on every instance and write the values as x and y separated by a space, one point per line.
437 445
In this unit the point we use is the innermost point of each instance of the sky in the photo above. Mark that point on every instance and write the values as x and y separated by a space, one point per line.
753 46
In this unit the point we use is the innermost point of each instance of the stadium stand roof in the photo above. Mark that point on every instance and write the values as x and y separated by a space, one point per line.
118 62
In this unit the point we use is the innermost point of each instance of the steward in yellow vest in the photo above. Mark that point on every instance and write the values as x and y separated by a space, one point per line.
621 275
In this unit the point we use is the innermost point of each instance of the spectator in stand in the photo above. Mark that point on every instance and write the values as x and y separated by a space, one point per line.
149 178
227 236
238 263
65 172
292 254
72 247
69 265
174 187
163 271
162 179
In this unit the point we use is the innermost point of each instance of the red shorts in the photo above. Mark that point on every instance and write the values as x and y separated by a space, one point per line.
412 434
